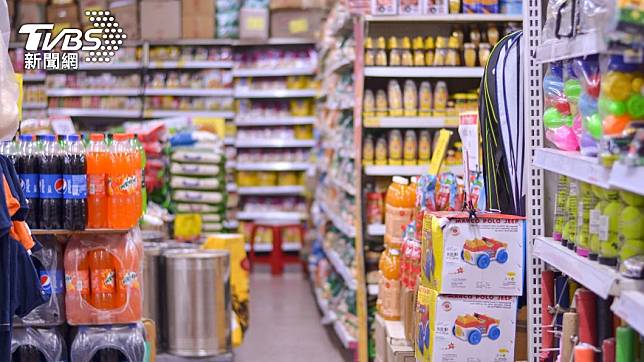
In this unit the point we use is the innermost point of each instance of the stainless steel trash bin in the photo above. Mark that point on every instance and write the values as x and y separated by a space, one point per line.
151 304
198 302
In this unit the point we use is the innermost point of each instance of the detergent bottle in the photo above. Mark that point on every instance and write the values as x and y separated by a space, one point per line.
399 210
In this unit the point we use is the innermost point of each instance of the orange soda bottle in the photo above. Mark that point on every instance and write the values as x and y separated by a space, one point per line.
77 284
119 205
138 175
98 163
399 209
103 279
128 290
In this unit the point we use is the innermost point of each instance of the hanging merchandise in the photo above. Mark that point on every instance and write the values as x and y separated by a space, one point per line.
502 127
99 341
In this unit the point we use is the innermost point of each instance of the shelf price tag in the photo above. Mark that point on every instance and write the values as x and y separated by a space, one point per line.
424 295
297 26
371 122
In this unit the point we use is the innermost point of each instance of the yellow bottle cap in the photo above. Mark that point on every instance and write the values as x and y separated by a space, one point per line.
417 44
429 43
441 42
392 43
406 43
453 43
368 43
381 42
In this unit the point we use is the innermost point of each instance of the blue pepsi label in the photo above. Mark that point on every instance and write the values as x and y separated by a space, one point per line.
29 184
51 186
75 186
45 282
59 282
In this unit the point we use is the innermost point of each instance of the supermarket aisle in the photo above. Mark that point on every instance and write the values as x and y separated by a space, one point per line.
285 323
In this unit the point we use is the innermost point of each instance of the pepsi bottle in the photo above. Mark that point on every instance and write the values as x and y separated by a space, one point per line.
75 189
52 184
27 169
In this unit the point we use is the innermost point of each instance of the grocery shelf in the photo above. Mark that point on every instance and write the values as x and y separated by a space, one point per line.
74 232
566 48
231 187
323 304
410 122
266 247
152 113
600 279
349 189
229 141
273 121
275 41
627 178
191 64
34 105
376 170
348 341
71 92
274 72
376 229
273 143
202 41
272 215
273 166
110 66
346 229
93 112
629 306
572 164
341 268
447 18
33 77
189 92
275 93
424 72
271 190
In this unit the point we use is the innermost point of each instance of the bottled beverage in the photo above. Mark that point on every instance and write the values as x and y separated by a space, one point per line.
144 192
399 208
75 194
98 164
102 270
389 285
28 170
120 183
136 148
51 183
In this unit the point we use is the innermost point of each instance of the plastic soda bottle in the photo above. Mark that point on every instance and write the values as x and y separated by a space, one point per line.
27 169
75 192
399 209
98 164
51 183
135 149
120 183
77 282
103 278
389 288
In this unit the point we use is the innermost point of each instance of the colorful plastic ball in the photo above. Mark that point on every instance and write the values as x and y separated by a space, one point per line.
561 104
563 137
588 145
572 89
594 125
552 118
635 106
593 85
567 120
613 125
617 85
587 105
637 84
606 106
553 86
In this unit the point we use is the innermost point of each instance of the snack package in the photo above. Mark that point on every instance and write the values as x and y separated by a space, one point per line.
194 169
194 183
102 278
464 327
197 156
128 339
557 114
473 256
446 191
198 197
29 344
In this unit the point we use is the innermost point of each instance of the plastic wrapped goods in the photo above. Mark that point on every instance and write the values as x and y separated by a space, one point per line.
91 342
38 344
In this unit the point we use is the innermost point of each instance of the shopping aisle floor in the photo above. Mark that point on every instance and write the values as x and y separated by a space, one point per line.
285 323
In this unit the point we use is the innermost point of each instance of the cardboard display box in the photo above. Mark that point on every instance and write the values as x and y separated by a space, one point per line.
89 5
298 4
198 7
62 14
407 311
482 257
197 19
296 23
160 20
126 12
464 327
253 23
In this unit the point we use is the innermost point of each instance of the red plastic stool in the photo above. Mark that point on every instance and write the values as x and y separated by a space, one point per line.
276 258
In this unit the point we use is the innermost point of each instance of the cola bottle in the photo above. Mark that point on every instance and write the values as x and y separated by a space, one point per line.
75 177
28 170
52 184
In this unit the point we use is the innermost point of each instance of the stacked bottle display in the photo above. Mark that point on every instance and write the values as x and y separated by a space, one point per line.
70 184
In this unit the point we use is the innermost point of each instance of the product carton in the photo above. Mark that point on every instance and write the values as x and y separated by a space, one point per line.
198 7
407 311
398 348
380 339
253 23
384 7
126 12
160 19
482 256
64 15
410 7
298 4
434 7
198 27
464 327
296 23
91 5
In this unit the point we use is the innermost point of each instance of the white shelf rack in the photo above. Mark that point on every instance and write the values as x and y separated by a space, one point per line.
110 66
93 112
272 215
270 121
348 341
71 92
34 77
410 122
627 178
346 229
424 72
600 279
229 141
275 93
273 166
629 306
271 190
188 92
273 143
34 105
376 170
191 64
349 189
572 164
267 247
376 229
345 272
153 113
566 48
447 18
279 72
323 304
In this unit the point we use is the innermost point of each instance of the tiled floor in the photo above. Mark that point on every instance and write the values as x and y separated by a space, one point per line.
284 324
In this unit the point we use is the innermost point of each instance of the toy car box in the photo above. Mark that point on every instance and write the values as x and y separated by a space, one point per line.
465 255
464 327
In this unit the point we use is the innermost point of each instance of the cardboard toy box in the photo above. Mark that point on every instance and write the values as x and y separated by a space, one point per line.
296 23
483 256
126 13
253 23
160 19
298 4
464 327
384 7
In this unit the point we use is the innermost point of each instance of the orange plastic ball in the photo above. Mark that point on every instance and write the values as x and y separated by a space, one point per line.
614 125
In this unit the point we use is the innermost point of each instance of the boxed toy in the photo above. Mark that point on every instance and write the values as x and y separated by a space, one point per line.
482 255
464 327
384 7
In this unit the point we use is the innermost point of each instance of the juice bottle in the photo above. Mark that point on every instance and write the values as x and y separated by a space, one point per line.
102 271
399 208
389 285
97 168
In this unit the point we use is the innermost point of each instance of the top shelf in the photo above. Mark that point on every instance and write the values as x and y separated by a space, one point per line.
273 72
446 18
424 72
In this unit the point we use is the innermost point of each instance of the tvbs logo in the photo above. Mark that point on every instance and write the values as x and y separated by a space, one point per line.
99 43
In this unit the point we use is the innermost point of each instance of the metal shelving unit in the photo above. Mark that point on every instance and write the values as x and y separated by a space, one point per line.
424 72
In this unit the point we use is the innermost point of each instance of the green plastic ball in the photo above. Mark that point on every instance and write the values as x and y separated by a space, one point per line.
572 89
552 118
594 125
635 106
